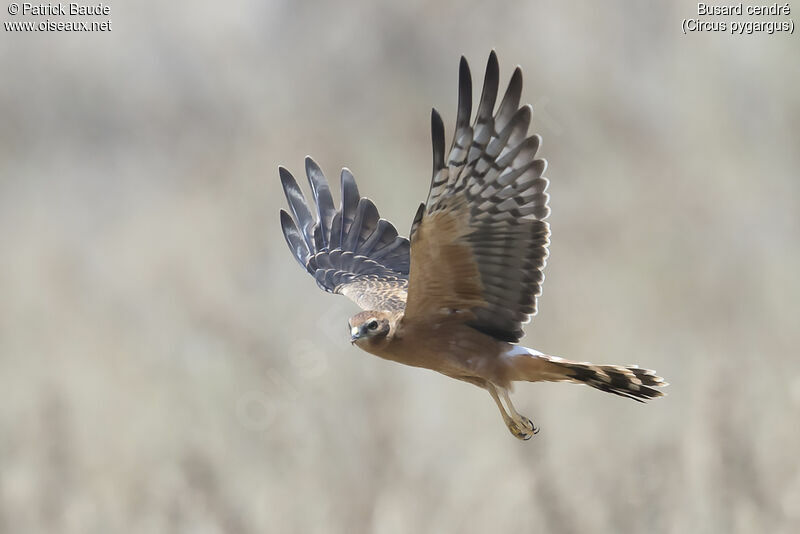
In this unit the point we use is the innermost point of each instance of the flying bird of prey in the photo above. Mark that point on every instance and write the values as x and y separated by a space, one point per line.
454 296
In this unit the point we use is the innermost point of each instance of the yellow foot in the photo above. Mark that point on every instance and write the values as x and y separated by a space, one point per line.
524 431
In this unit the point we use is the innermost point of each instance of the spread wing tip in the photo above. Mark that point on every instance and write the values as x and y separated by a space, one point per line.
464 95
294 239
437 140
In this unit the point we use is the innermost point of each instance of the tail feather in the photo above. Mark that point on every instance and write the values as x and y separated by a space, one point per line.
626 381
631 382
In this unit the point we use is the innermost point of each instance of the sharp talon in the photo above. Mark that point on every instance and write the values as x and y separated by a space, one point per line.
524 433
520 426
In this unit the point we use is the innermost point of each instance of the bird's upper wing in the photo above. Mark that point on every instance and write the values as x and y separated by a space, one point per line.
351 250
479 244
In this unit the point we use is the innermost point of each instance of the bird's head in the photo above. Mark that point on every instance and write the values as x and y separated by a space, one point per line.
369 327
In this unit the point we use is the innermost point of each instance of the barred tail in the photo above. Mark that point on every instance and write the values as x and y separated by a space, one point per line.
632 382
625 381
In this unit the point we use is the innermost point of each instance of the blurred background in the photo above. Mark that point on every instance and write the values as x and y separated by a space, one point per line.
166 366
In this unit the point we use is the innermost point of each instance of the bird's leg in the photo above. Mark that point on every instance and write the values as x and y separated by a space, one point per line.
516 416
519 425
506 418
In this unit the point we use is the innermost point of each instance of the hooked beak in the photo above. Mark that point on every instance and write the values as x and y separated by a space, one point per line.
354 334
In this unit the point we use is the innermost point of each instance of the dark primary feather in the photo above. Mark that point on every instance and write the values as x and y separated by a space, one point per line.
297 203
350 250
492 167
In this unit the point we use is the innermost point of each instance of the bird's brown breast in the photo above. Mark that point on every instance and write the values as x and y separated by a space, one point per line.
450 348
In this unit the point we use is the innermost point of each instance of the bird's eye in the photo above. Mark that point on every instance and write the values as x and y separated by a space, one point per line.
372 325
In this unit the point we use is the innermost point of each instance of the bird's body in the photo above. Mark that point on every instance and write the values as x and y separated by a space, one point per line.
453 297
447 347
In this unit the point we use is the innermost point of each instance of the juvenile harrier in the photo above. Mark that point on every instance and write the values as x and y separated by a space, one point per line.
454 298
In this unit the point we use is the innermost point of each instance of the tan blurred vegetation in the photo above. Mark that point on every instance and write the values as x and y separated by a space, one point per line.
165 366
